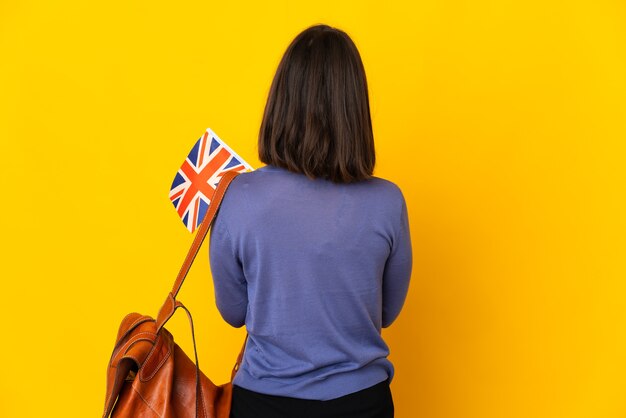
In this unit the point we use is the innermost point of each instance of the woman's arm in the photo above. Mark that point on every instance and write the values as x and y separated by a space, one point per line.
229 282
397 272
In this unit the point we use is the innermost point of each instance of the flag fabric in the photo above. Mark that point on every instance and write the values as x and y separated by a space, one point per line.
199 175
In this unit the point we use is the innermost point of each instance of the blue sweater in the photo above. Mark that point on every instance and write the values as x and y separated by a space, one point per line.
314 270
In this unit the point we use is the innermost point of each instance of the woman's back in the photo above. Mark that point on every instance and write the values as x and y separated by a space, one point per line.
314 269
311 252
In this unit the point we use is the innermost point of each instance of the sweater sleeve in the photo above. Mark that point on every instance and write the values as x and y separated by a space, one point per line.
229 283
397 273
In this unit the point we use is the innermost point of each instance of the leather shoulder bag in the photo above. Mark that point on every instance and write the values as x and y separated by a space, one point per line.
149 375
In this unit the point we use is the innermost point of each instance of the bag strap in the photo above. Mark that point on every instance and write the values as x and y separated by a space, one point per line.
216 201
169 306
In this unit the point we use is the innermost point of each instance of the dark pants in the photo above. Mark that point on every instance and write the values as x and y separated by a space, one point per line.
373 402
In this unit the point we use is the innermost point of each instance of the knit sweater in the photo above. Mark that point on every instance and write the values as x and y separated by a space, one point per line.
314 270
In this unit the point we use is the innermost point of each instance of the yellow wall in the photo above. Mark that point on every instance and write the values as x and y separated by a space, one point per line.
503 122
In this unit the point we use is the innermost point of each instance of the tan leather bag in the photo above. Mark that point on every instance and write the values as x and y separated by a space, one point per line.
149 375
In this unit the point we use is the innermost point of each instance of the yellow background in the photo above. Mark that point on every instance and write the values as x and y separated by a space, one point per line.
503 123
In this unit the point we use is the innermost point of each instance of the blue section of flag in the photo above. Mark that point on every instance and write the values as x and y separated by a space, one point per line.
233 162
214 145
202 210
186 217
178 180
193 155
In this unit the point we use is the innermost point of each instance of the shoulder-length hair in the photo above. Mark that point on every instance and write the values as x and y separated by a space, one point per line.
317 117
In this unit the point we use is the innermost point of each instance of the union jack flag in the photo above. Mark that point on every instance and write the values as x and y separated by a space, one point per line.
199 175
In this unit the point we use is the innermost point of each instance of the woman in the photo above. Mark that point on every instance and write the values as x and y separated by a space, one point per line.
312 252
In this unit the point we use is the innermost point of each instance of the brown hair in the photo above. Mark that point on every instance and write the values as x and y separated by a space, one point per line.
317 117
